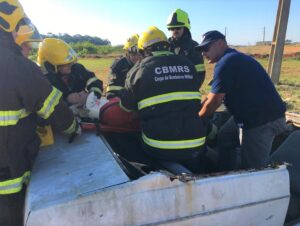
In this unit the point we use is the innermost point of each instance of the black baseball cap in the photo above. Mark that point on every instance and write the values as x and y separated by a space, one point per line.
208 38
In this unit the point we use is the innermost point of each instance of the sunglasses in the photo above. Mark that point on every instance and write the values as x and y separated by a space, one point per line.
174 28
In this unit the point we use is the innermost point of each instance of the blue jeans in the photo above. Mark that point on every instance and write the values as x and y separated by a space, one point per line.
256 143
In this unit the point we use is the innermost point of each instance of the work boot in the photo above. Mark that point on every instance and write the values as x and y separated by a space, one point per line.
93 105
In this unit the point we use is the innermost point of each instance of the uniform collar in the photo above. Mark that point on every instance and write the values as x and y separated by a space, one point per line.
228 50
162 53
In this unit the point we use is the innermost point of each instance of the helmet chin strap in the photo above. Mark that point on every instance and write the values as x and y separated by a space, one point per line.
50 68
147 52
14 35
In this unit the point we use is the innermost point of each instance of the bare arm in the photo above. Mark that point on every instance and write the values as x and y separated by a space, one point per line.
210 104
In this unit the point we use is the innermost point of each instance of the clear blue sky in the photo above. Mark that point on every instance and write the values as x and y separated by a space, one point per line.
116 20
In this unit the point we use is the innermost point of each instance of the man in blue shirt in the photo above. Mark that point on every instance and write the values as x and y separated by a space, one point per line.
248 93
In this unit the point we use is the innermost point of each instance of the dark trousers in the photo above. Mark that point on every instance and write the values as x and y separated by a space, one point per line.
11 209
228 145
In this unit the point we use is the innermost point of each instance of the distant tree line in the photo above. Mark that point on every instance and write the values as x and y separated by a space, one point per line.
287 42
79 38
86 45
89 49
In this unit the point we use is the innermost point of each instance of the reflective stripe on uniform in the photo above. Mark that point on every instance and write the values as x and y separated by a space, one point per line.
50 103
9 118
177 144
124 108
90 81
162 53
96 90
71 128
200 67
113 88
14 185
163 98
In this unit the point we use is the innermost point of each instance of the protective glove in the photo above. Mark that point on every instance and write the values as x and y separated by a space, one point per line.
98 94
77 130
93 105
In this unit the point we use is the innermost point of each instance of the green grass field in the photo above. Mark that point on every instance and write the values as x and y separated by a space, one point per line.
289 83
100 66
288 87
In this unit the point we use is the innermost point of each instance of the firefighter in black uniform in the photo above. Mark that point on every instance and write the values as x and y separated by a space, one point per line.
164 88
181 42
24 94
120 67
71 78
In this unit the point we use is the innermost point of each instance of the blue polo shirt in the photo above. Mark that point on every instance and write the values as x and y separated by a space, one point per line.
250 95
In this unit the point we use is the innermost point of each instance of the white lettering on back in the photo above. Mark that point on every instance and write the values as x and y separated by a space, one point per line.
157 70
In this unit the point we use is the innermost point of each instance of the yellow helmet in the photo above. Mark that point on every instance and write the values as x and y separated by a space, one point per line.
179 18
131 43
11 13
56 52
151 36
28 33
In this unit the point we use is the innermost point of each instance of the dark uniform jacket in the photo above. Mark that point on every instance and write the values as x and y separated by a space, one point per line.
251 96
165 90
24 94
117 76
78 80
185 46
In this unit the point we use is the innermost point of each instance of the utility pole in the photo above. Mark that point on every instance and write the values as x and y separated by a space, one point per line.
278 41
264 35
225 33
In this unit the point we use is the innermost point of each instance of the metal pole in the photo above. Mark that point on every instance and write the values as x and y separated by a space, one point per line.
277 46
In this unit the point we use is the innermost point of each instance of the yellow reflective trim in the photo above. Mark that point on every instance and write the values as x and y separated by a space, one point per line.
50 103
200 67
96 90
91 80
9 118
162 53
177 144
168 97
124 108
71 128
14 185
113 88
25 114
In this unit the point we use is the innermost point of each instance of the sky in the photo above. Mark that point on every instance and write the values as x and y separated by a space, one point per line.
116 20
